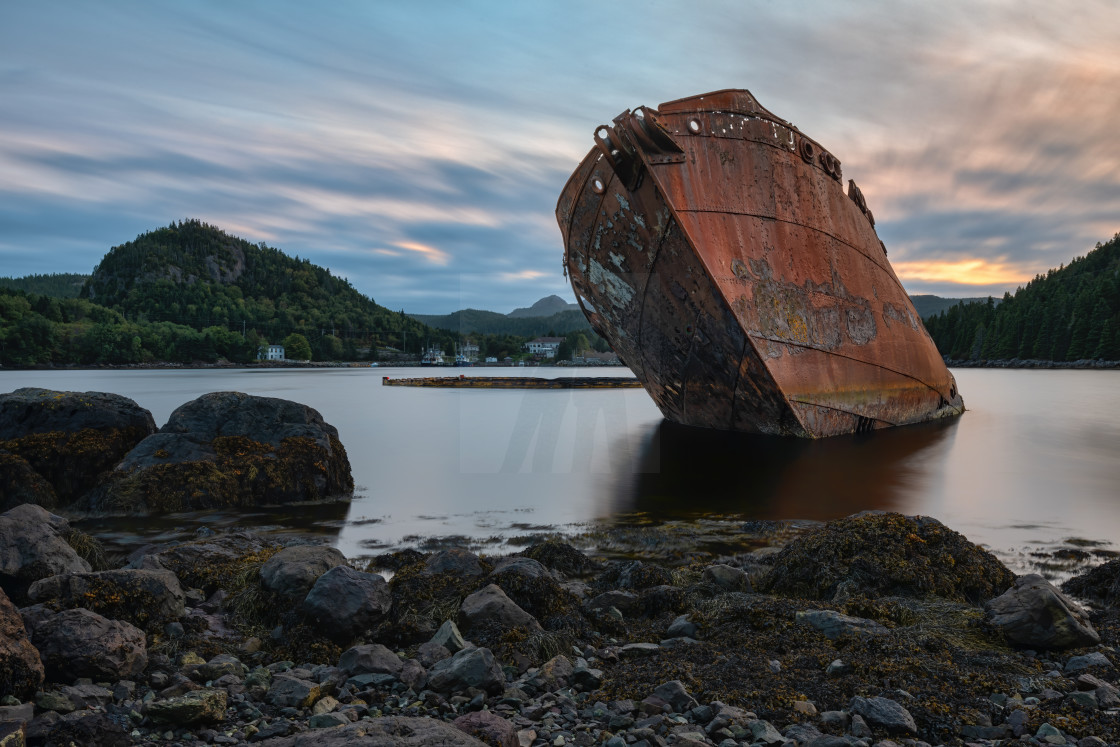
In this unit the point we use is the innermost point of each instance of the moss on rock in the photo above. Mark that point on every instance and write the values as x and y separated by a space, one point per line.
886 554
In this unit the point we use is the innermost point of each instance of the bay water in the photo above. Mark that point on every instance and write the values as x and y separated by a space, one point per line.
1033 465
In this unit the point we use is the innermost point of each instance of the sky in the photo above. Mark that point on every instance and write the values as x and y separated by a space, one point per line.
418 148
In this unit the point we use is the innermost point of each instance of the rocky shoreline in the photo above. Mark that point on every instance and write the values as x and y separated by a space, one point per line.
878 629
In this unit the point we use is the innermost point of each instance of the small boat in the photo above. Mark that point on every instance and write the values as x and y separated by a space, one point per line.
714 247
432 357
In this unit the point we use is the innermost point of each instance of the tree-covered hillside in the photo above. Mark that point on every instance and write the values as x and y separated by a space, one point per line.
190 292
55 285
1072 313
194 274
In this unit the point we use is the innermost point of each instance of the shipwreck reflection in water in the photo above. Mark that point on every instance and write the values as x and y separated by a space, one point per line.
688 472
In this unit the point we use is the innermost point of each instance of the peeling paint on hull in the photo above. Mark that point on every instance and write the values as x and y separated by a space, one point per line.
713 245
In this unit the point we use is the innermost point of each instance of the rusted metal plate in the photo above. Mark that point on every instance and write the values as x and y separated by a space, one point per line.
713 245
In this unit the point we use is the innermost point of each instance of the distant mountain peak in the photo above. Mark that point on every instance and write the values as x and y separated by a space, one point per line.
547 306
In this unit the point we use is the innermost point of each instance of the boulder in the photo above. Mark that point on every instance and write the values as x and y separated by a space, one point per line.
675 694
294 570
1036 615
207 564
726 577
490 609
21 671
634 575
886 554
33 546
449 637
70 438
560 556
489 727
20 483
532 587
884 713
371 658
455 561
79 643
390 731
344 602
220 666
471 667
228 449
833 625
294 692
1100 584
196 707
143 598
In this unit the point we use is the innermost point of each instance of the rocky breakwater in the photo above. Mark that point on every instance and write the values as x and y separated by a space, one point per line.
873 630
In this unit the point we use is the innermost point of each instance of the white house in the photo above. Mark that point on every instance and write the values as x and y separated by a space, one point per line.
271 353
544 347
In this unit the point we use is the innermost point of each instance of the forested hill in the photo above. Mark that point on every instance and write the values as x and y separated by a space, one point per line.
1072 313
493 323
194 274
55 285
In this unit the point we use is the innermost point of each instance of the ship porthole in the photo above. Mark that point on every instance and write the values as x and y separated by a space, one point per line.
694 126
597 185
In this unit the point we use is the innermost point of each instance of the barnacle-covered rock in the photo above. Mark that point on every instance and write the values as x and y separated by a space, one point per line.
887 554
229 449
69 438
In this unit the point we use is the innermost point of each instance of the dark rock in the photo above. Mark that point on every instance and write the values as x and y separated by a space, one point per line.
1100 584
372 658
471 667
33 546
726 577
143 598
70 438
21 670
87 696
560 556
196 707
887 554
294 570
624 601
1091 660
449 637
884 713
79 643
327 720
344 602
489 727
230 449
634 575
532 587
489 608
1036 615
79 729
833 625
429 652
208 564
293 691
675 694
20 483
391 731
455 561
682 627
554 674
221 666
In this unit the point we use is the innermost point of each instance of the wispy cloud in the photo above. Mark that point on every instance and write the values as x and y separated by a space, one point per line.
429 253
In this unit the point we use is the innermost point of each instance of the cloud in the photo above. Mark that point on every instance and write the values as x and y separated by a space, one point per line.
975 271
429 253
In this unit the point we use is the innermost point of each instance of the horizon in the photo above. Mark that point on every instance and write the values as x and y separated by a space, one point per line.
419 152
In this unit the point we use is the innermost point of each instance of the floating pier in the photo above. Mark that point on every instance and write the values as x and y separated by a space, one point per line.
515 382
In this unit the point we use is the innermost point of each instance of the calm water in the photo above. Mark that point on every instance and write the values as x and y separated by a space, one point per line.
1034 462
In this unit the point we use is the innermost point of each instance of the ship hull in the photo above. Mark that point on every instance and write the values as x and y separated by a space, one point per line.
713 245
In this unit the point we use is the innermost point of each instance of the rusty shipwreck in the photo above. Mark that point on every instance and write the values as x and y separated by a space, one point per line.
713 245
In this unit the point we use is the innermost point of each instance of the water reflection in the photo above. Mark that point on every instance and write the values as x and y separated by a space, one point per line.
691 471
122 535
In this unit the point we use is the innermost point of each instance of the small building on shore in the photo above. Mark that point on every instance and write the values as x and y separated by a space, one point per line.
544 347
271 353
